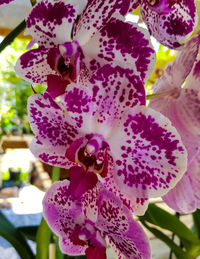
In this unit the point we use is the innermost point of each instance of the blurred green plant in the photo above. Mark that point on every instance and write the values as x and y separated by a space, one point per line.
14 91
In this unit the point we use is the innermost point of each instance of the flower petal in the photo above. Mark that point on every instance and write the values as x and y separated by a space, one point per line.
138 206
124 233
150 158
81 181
96 14
53 155
64 216
5 2
194 175
55 130
33 67
176 72
50 22
188 111
133 5
102 101
124 44
90 206
194 78
181 197
173 28
184 61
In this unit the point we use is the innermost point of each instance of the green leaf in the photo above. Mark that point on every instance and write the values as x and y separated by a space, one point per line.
43 239
59 254
13 236
29 232
174 247
55 174
196 220
12 35
163 219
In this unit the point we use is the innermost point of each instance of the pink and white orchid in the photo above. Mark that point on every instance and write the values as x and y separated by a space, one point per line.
179 100
104 127
84 224
171 22
77 37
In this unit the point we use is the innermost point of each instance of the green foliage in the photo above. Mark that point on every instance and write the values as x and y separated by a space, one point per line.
29 232
164 220
14 91
14 236
43 239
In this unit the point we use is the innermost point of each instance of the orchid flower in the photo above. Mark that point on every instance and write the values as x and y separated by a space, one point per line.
179 100
104 127
171 22
84 224
76 38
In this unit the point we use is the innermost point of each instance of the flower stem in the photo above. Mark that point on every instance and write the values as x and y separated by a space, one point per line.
12 35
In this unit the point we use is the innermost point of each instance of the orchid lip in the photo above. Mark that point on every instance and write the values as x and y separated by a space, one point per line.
91 154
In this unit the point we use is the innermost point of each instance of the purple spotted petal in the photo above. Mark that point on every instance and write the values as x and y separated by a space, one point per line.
79 106
50 22
90 206
33 67
133 5
65 217
181 197
181 105
56 85
116 222
102 101
54 128
5 1
96 14
123 44
184 61
138 206
53 155
173 106
173 28
150 157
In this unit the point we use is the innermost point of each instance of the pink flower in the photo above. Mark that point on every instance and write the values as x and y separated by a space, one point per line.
76 38
171 22
179 87
104 127
83 224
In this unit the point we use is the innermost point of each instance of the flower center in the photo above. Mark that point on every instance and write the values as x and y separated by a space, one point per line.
92 155
91 235
65 71
65 60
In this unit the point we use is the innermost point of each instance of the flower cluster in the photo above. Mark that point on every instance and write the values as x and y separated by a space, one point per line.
119 152
85 222
181 104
